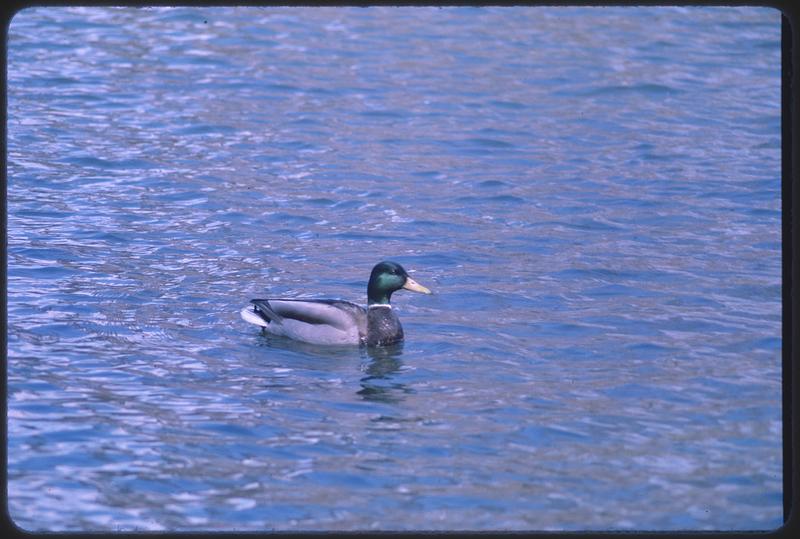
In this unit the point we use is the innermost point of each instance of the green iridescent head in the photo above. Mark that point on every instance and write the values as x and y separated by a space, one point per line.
388 277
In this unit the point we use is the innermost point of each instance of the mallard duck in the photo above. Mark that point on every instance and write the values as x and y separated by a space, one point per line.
333 321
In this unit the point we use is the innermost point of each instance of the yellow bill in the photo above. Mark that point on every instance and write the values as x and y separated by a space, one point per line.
414 286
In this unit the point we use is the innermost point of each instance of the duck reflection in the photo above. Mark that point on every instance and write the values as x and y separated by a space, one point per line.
379 364
310 350
377 385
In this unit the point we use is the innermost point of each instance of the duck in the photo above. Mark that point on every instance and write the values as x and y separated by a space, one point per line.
339 322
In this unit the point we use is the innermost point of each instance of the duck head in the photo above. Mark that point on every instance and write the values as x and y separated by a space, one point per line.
388 277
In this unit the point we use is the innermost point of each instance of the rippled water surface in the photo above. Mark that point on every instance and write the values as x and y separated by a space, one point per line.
593 194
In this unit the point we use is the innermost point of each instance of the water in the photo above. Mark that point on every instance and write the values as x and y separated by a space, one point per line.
592 193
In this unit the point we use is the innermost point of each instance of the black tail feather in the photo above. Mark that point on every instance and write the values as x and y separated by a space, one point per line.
264 310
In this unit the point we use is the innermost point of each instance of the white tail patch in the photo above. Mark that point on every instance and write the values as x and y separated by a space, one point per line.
248 315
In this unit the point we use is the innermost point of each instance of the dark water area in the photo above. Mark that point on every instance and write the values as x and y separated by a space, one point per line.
593 194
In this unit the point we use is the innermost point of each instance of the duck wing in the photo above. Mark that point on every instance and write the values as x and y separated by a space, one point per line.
337 313
322 321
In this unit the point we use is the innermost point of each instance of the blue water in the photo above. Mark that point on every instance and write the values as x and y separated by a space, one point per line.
592 193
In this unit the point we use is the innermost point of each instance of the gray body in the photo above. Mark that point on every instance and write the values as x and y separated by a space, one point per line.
325 321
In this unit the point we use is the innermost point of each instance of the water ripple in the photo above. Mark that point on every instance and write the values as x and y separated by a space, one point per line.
603 347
